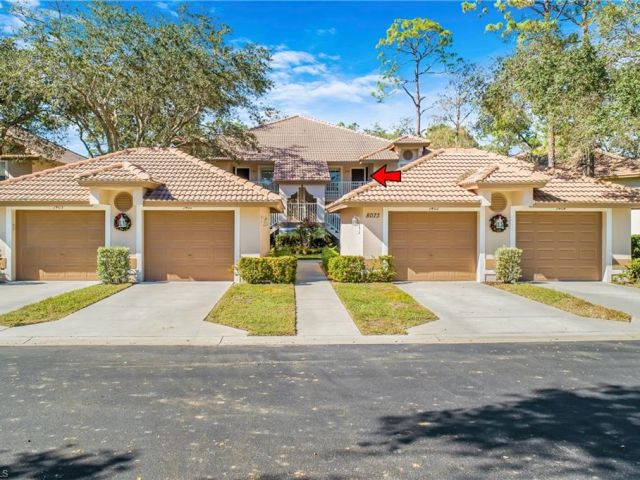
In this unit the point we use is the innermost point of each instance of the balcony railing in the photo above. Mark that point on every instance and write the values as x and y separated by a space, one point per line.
335 190
268 184
299 212
332 223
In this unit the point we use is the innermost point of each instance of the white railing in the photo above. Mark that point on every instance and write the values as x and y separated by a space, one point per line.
299 212
269 185
335 190
275 219
332 222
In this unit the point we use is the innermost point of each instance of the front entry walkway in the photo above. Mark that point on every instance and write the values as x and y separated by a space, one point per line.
318 309
145 310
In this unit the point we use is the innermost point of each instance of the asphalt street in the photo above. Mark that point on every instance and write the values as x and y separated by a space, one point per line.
552 411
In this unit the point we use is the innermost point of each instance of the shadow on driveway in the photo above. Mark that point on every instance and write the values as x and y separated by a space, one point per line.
67 464
589 432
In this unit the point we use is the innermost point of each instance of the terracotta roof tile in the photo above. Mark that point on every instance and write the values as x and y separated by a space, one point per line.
411 140
436 177
312 140
297 169
612 166
184 179
508 171
36 145
117 172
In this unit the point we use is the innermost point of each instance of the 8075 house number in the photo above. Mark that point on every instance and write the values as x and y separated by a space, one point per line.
372 215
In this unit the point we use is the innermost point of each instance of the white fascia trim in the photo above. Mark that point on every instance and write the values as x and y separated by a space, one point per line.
189 208
607 231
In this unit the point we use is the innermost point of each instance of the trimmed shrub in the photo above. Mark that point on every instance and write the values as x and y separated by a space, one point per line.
635 246
347 269
267 269
508 260
381 269
113 265
327 254
632 272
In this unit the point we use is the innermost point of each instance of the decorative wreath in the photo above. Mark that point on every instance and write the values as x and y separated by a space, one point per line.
499 223
122 222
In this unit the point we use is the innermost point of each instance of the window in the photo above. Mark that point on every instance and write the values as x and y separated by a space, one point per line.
4 174
358 174
336 175
407 155
242 172
266 175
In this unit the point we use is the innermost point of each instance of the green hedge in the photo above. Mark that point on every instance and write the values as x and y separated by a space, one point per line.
381 269
508 264
113 265
635 246
327 254
347 269
267 269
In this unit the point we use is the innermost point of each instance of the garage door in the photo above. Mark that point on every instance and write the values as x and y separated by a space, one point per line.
188 246
560 245
54 245
433 245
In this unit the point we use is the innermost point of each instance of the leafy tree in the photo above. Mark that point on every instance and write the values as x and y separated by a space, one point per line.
412 49
350 126
24 94
126 81
403 127
458 101
444 136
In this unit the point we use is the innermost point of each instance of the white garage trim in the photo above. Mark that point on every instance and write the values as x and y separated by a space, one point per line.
236 228
607 232
481 238
10 234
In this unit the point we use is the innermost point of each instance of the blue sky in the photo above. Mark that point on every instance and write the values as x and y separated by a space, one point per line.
324 58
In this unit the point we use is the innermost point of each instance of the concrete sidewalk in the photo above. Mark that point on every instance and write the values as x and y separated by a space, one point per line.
15 295
319 311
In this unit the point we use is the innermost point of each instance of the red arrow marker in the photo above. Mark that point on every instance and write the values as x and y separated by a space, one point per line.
382 176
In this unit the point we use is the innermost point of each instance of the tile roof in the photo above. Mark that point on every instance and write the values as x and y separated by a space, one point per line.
36 145
612 166
383 154
411 140
298 146
184 179
436 178
117 172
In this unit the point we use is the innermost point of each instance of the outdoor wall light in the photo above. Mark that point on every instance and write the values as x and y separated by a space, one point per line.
355 222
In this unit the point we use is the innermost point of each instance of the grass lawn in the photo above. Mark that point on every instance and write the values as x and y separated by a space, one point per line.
55 308
563 301
258 309
382 308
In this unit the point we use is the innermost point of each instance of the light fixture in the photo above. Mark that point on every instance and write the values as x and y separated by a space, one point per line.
355 221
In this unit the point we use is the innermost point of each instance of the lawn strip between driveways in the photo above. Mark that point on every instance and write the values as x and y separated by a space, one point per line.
258 309
563 301
382 308
59 306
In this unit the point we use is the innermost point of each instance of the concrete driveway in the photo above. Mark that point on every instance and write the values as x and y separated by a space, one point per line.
18 294
169 310
473 310
622 298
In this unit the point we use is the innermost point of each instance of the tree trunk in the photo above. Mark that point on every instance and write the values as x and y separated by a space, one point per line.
551 146
418 100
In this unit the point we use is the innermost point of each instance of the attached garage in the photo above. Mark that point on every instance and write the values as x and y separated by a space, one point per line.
58 245
560 245
191 245
434 245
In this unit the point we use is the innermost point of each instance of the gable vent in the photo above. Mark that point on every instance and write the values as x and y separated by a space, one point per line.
123 201
498 202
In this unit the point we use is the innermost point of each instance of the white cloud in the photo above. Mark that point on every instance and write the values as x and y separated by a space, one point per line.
165 7
325 56
9 24
315 69
25 3
326 31
288 58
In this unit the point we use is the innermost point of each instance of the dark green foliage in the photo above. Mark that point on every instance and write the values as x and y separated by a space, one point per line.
113 265
635 246
327 254
347 269
381 269
267 269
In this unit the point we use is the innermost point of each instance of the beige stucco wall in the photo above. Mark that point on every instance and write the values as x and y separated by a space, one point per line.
3 221
254 231
372 231
18 169
350 235
621 237
635 214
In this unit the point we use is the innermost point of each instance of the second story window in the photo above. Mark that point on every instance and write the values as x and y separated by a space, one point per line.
4 174
336 176
242 172
266 175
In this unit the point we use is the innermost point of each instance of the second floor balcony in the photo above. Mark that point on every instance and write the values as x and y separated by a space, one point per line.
335 190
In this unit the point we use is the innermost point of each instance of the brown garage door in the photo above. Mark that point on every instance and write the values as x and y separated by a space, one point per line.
188 246
560 245
54 245
433 245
